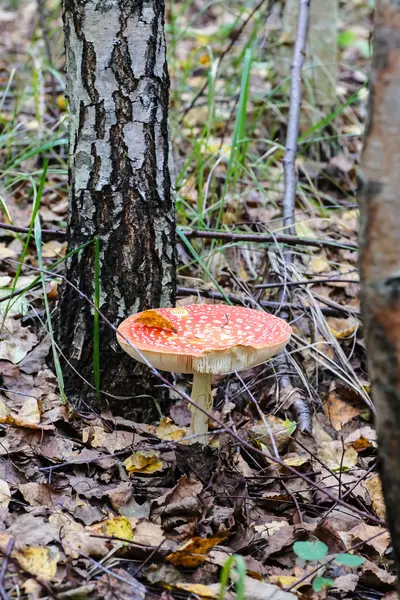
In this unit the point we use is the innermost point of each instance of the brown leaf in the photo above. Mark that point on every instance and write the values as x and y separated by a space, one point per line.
123 586
337 456
41 494
374 536
373 574
346 583
35 359
338 412
282 538
374 487
115 441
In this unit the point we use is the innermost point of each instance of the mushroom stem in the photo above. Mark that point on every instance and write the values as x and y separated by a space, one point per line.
201 395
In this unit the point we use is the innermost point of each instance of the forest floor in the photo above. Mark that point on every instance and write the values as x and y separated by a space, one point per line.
103 507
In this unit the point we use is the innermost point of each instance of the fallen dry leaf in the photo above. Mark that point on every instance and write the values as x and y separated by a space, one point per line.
114 441
374 536
115 527
146 462
41 562
123 586
5 494
193 552
362 438
167 430
369 568
346 583
280 429
342 328
337 456
338 412
199 589
374 487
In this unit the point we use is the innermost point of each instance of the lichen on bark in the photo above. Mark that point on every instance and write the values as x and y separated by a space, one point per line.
120 185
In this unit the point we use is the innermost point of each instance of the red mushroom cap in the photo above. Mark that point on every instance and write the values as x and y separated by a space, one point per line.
206 338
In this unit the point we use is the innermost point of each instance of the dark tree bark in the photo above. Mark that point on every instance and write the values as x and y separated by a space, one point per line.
120 186
380 252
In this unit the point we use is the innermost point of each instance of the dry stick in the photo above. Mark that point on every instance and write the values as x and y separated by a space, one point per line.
10 548
188 399
290 239
266 286
53 232
329 311
235 36
300 406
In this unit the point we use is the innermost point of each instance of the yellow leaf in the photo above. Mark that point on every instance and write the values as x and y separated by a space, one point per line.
152 318
296 460
319 264
146 462
204 60
283 580
61 102
374 487
119 527
342 328
41 562
198 588
194 552
167 430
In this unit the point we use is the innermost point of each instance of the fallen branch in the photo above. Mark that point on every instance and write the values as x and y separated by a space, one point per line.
227 236
290 240
61 233
298 404
333 309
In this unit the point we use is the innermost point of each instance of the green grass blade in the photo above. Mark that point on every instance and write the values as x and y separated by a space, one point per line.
96 319
35 211
241 573
57 366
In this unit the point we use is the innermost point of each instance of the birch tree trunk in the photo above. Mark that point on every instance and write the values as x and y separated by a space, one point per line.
120 184
380 252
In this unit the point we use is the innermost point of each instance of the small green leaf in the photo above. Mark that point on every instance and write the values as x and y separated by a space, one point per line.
290 426
349 560
320 583
310 550
346 39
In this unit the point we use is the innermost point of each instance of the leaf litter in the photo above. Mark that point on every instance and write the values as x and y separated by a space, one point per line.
97 506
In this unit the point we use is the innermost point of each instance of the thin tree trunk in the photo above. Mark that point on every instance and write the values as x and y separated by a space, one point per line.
380 251
120 184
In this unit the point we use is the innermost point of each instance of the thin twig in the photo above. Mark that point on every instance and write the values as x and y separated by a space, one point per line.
227 236
289 240
332 310
300 407
52 232
290 176
3 570
267 286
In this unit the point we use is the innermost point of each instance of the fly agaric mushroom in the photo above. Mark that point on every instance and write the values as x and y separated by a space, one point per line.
206 340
